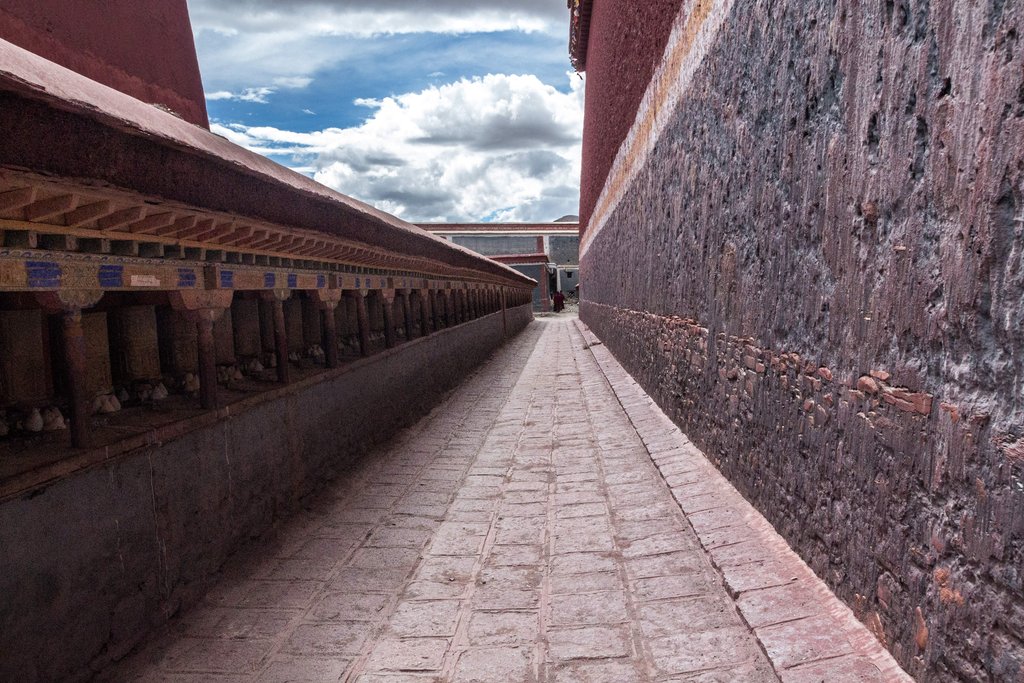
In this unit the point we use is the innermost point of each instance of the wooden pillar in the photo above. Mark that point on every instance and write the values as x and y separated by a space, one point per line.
281 341
407 314
504 313
363 322
426 319
276 299
388 304
437 305
207 363
204 308
74 357
330 329
327 301
70 304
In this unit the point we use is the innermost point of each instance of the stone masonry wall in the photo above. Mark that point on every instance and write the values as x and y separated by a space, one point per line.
817 272
124 546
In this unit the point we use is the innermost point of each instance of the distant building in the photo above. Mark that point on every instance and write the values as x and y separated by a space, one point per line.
547 252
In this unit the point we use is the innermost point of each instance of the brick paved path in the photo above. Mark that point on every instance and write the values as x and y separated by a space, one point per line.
521 532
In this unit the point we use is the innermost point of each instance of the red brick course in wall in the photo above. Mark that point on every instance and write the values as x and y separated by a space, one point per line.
143 48
816 272
626 42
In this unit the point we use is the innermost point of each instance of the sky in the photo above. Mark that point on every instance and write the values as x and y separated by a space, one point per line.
433 110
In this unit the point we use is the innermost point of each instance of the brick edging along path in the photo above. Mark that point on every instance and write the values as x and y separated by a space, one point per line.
806 631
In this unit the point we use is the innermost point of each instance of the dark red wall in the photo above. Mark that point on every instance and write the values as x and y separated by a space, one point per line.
141 47
818 273
625 45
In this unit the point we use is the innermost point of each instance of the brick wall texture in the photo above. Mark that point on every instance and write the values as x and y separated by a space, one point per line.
817 273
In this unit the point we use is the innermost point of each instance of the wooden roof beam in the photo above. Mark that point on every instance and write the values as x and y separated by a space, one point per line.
88 213
152 223
178 226
273 240
255 237
218 230
119 219
239 235
50 208
201 226
17 199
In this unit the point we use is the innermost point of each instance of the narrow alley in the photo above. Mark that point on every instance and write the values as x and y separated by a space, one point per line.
520 532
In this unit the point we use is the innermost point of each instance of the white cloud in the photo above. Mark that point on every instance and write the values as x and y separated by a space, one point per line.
242 42
261 94
376 17
293 82
501 146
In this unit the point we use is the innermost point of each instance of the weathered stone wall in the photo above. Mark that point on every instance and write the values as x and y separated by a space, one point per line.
817 272
94 561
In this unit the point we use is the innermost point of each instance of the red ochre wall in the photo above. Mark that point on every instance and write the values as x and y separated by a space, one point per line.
817 271
141 47
625 45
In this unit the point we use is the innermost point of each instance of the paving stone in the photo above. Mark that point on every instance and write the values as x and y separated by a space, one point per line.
349 607
430 618
591 642
679 586
683 615
669 564
384 558
234 623
599 671
585 583
768 606
327 639
361 580
392 537
458 538
589 608
494 665
804 640
848 669
413 654
582 563
515 555
698 651
287 669
499 598
502 628
190 655
515 578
